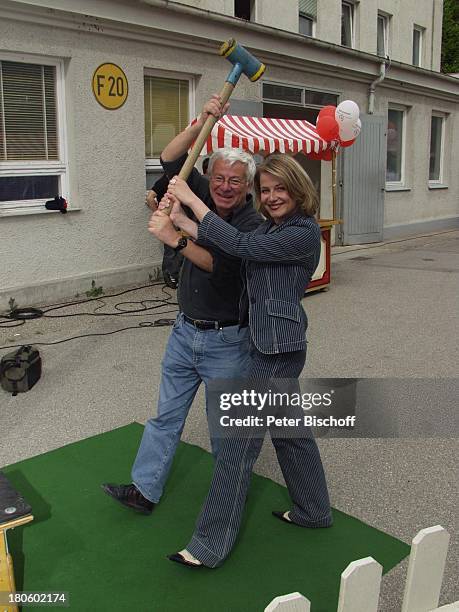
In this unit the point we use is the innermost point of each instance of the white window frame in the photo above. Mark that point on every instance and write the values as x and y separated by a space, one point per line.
394 185
153 164
421 31
351 5
314 23
385 19
34 168
440 180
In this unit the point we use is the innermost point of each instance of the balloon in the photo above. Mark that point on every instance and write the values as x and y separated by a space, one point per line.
327 128
327 155
327 111
346 143
347 110
349 130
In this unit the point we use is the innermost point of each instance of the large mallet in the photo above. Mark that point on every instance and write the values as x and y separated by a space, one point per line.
243 62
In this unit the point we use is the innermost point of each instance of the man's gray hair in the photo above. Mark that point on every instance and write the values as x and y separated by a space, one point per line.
231 156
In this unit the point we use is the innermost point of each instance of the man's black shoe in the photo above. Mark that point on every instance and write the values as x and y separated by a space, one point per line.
130 496
171 281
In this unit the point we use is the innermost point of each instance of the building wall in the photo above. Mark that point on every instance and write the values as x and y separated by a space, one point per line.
404 15
418 202
282 15
107 239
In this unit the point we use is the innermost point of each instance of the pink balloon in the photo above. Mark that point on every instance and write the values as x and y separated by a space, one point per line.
327 128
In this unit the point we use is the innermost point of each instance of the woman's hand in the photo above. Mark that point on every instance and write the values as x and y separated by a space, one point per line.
160 225
177 214
179 189
165 202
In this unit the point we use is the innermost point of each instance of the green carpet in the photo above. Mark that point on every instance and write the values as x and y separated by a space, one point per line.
109 558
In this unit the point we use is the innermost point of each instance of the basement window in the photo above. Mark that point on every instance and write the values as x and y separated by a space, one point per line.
244 9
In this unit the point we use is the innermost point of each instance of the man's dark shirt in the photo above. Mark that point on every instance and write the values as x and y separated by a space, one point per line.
213 296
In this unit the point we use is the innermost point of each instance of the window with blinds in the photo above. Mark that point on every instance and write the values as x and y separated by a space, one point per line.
308 7
307 17
166 112
28 112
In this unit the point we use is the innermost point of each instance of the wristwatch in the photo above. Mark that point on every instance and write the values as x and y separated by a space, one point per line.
181 244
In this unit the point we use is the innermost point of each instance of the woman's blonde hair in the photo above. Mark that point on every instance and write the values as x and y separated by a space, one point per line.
295 180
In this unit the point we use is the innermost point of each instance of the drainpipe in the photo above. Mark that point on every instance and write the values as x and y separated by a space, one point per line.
371 93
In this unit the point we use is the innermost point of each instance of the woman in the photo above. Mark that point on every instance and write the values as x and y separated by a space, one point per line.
281 256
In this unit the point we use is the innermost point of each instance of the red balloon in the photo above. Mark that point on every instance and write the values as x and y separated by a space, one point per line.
327 155
346 143
327 111
327 128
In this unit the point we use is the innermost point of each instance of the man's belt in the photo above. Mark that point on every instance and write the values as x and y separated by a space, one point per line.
202 324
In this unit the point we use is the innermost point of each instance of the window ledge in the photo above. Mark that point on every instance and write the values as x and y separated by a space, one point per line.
437 186
23 212
397 188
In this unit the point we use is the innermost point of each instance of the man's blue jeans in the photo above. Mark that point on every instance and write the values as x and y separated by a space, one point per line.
191 356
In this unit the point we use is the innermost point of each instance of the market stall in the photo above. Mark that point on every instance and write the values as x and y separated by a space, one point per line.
263 135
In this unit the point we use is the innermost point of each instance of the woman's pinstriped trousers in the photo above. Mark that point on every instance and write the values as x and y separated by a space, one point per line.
219 522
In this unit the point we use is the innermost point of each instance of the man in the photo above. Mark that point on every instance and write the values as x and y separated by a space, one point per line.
207 341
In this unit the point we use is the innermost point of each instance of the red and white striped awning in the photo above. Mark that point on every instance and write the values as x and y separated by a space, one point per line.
264 134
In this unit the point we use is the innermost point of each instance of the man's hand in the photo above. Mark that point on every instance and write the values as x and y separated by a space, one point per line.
161 226
179 145
150 200
214 107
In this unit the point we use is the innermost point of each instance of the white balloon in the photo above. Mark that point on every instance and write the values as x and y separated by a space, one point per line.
347 110
350 129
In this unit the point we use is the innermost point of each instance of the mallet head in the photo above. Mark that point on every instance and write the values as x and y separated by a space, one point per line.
242 60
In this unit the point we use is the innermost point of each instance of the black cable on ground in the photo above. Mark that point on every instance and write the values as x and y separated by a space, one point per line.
25 314
21 315
143 324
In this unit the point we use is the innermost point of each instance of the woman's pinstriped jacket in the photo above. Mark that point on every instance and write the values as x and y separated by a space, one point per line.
280 261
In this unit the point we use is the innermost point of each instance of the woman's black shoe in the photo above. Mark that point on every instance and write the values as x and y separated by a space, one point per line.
177 558
280 515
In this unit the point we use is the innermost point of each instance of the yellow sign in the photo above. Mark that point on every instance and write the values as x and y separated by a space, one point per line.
110 86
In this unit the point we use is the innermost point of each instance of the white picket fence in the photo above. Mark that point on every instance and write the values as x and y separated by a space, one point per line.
361 580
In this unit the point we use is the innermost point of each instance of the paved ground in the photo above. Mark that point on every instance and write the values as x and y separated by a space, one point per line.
391 312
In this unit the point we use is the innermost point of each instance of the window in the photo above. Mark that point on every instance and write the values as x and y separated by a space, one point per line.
395 146
32 161
167 111
244 9
417 45
298 96
307 17
347 24
436 148
382 47
306 25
